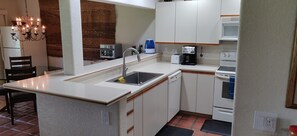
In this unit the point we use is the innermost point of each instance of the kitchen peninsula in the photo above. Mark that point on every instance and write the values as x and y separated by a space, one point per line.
86 104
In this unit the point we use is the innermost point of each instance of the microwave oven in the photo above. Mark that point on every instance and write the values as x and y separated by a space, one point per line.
229 28
110 51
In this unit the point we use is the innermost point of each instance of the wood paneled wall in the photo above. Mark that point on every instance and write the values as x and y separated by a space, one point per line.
98 26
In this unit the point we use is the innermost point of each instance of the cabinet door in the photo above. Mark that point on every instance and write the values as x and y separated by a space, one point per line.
230 7
186 21
208 21
165 21
138 116
155 109
205 90
188 92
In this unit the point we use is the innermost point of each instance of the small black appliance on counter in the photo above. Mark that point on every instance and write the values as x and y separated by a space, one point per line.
110 51
189 55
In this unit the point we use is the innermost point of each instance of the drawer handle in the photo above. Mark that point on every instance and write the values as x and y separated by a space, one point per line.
130 112
130 129
224 111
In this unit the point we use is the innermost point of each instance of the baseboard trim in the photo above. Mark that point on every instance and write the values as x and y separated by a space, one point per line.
196 114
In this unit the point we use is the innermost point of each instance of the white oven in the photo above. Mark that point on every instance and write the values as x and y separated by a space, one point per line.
223 93
223 97
224 88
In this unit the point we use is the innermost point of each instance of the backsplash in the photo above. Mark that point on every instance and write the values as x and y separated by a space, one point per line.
211 54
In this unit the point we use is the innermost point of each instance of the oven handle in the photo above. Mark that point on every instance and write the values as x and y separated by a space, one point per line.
223 77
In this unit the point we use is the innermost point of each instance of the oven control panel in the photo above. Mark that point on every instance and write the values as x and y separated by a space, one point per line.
231 56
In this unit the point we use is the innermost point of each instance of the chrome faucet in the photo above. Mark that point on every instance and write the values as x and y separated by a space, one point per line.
124 62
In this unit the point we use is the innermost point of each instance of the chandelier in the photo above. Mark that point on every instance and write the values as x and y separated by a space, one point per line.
27 28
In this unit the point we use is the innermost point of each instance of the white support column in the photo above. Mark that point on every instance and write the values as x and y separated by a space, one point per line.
70 17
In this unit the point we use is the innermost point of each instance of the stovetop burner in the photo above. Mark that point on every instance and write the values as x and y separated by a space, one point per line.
229 69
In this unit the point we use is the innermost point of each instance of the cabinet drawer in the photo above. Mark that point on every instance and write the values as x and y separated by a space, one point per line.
222 114
130 120
130 133
129 106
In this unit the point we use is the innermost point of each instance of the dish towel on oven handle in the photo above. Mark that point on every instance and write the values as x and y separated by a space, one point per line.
231 87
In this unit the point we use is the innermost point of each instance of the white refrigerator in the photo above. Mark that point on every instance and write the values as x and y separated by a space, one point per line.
12 48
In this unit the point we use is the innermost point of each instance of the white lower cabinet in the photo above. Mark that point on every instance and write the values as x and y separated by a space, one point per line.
197 92
188 92
149 112
205 87
155 109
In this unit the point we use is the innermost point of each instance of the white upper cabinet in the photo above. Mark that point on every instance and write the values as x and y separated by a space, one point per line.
192 21
230 7
208 21
186 22
165 21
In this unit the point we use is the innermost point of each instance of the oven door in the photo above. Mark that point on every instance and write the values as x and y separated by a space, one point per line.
222 96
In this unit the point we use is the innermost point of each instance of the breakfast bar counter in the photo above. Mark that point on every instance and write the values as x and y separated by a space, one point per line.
87 104
91 85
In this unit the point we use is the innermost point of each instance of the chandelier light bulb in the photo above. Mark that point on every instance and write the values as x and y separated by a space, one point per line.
31 21
35 30
38 21
23 30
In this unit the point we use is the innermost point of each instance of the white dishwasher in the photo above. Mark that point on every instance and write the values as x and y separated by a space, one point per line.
174 87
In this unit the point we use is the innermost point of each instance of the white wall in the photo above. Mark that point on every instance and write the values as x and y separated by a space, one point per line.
11 7
265 46
33 7
17 8
134 25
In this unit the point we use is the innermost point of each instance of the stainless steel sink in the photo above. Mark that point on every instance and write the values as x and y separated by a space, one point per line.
137 78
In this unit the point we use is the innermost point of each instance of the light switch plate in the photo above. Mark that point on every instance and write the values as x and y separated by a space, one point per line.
265 121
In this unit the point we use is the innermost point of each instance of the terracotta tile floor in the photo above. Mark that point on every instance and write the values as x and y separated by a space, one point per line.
26 122
190 122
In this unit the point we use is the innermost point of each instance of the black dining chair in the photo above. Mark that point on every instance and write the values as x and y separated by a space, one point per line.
14 96
20 62
3 92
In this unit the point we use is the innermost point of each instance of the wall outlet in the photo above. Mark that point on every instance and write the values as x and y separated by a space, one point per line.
105 117
265 121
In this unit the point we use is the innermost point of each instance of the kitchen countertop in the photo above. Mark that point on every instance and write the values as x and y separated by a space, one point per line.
164 68
101 92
